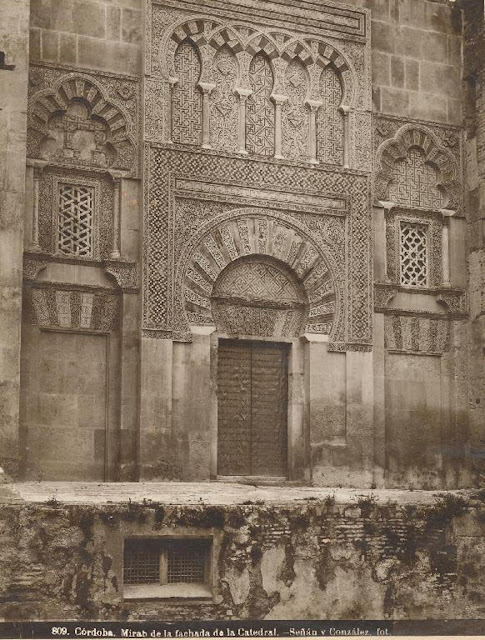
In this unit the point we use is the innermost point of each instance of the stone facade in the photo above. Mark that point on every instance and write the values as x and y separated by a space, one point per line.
183 162
243 241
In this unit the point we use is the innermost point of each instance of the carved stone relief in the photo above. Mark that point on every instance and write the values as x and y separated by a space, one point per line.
186 95
71 309
259 297
235 237
260 125
266 59
260 91
416 167
415 334
161 287
224 110
330 120
75 119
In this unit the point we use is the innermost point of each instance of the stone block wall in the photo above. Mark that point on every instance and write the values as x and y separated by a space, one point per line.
312 560
14 48
100 35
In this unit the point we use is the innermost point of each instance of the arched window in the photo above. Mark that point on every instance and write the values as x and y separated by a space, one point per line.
330 126
224 106
295 114
260 111
186 96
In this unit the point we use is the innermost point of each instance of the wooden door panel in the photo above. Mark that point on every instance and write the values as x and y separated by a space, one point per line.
253 404
234 416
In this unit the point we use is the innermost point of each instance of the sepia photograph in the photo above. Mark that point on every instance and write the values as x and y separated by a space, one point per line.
242 318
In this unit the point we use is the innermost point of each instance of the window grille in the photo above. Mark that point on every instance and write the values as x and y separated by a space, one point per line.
142 562
414 254
75 220
186 562
166 561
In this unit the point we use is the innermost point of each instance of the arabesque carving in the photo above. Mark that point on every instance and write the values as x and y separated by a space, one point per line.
415 170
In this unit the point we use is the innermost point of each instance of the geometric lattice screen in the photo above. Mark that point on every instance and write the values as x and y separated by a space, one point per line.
413 254
75 220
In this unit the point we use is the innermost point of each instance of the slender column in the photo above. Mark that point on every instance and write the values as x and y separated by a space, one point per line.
386 208
243 98
115 247
207 88
38 166
445 240
278 101
345 112
171 83
314 106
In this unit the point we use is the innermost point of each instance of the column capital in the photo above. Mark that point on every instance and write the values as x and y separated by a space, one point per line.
243 93
447 213
314 104
207 87
278 98
38 165
387 206
172 81
344 110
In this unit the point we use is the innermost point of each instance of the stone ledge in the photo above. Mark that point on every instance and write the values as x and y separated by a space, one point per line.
204 493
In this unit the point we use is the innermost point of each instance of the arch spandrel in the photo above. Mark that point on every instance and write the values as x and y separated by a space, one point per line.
268 238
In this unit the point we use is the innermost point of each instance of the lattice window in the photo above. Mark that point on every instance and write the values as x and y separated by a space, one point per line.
186 96
414 182
75 231
260 111
413 254
166 561
330 124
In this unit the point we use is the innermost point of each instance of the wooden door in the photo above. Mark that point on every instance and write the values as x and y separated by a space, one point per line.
252 408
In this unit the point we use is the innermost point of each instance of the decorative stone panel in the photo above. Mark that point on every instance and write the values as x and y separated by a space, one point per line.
416 334
79 120
83 309
417 165
260 164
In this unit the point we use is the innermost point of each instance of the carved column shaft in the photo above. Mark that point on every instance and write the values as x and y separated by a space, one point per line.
207 88
278 134
171 83
38 166
115 248
314 106
346 141
445 241
243 98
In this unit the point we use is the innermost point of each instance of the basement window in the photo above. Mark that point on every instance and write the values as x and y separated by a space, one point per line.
167 568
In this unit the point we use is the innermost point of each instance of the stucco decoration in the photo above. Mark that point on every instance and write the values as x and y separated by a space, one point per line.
230 239
417 169
74 123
